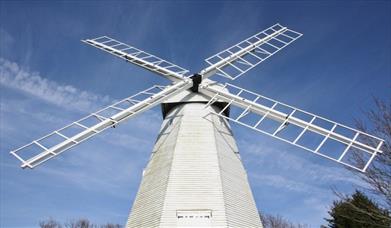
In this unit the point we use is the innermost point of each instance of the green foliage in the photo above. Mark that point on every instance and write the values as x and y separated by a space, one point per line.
358 211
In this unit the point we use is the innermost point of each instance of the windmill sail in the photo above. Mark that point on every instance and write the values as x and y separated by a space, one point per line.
39 150
139 57
300 128
234 61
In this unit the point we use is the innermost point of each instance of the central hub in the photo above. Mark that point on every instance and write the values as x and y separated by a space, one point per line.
197 79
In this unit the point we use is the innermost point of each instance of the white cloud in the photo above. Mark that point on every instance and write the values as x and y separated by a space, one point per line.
67 96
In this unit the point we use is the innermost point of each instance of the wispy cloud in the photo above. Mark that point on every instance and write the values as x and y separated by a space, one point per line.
109 165
14 76
73 99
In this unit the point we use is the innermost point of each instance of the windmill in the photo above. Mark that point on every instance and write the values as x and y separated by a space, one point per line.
195 176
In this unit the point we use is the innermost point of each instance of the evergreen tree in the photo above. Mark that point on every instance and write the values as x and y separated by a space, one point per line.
358 211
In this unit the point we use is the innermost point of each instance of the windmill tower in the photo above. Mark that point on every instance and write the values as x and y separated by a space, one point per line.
195 176
202 181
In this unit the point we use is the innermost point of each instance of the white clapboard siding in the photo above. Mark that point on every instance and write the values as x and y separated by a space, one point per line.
195 169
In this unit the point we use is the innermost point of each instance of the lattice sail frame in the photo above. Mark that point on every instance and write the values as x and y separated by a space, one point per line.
264 108
236 60
139 57
81 130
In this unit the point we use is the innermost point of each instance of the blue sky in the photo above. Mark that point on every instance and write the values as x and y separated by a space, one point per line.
48 78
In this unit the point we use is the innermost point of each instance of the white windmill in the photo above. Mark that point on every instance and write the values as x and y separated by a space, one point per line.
195 176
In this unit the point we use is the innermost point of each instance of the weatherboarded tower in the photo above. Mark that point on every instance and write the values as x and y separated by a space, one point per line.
195 176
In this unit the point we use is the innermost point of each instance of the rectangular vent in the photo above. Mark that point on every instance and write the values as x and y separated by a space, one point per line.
194 214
